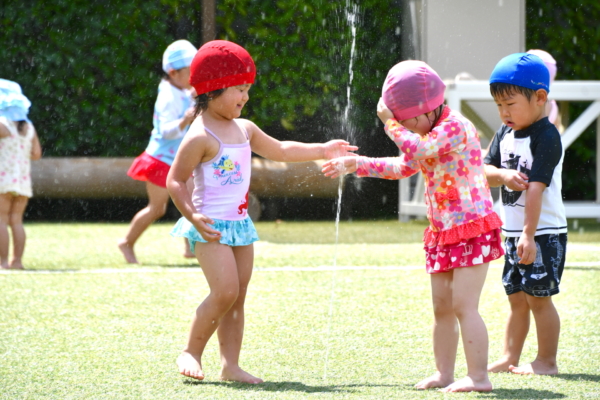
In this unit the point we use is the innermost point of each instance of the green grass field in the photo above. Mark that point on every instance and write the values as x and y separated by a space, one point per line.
82 324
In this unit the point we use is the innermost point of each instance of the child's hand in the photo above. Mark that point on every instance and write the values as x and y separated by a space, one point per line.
339 166
189 116
526 249
515 180
201 222
337 148
383 112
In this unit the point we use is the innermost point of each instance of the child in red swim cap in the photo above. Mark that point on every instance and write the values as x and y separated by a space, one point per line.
217 149
463 235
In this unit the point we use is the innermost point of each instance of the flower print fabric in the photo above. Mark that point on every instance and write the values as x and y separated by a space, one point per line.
457 195
15 160
221 185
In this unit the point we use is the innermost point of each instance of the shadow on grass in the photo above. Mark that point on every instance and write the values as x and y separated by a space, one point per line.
290 386
353 388
172 265
579 377
584 268
524 394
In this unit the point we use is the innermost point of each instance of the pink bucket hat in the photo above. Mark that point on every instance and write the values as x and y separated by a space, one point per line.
412 88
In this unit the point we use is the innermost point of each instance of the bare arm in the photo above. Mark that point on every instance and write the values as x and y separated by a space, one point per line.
290 151
526 248
36 147
512 179
4 132
188 156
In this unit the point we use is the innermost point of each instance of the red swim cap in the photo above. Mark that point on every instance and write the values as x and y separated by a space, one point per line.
220 64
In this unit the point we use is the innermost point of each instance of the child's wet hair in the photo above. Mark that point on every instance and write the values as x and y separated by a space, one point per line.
499 89
203 100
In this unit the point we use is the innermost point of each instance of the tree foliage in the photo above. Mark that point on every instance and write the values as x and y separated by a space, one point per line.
90 68
569 30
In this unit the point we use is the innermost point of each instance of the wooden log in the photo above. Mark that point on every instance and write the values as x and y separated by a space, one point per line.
98 178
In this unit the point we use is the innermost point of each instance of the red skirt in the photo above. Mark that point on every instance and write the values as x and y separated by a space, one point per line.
466 253
147 168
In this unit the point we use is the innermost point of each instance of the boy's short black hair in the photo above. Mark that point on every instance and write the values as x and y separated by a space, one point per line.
499 89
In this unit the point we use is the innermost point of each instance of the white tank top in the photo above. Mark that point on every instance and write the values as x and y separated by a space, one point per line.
221 184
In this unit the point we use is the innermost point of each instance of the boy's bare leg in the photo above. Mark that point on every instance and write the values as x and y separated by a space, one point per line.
158 197
17 210
517 328
5 205
547 324
468 283
218 265
231 329
445 332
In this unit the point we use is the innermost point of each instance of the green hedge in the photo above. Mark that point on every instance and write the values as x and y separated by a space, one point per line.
570 31
91 68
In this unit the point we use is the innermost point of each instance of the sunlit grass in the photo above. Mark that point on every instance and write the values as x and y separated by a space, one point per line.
85 325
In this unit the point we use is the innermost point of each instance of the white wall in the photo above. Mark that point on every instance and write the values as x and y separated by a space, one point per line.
456 36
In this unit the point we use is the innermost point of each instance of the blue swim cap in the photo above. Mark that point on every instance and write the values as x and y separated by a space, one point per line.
178 55
522 69
13 103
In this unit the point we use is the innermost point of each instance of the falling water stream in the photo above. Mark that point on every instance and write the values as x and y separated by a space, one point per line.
351 17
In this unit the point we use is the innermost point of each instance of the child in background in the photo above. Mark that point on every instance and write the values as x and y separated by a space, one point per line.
19 144
552 111
215 220
526 159
173 113
464 235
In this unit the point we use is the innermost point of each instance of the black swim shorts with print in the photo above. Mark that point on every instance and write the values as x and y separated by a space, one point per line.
542 277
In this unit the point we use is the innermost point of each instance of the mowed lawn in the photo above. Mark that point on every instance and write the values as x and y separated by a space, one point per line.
80 323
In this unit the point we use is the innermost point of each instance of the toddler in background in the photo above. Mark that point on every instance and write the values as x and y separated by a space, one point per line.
173 113
19 144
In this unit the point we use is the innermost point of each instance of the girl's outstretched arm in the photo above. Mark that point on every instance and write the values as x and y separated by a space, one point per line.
188 156
290 151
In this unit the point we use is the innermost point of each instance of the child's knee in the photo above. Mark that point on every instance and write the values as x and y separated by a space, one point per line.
539 303
15 220
442 306
226 297
158 211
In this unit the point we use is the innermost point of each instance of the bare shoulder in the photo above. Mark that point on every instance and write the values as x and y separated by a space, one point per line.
199 142
250 126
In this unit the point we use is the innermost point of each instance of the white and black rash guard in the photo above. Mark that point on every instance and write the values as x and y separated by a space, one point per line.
537 152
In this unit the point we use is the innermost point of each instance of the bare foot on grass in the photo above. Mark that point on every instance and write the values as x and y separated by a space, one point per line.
434 381
239 375
499 366
4 266
467 384
16 265
189 366
127 251
189 254
535 368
